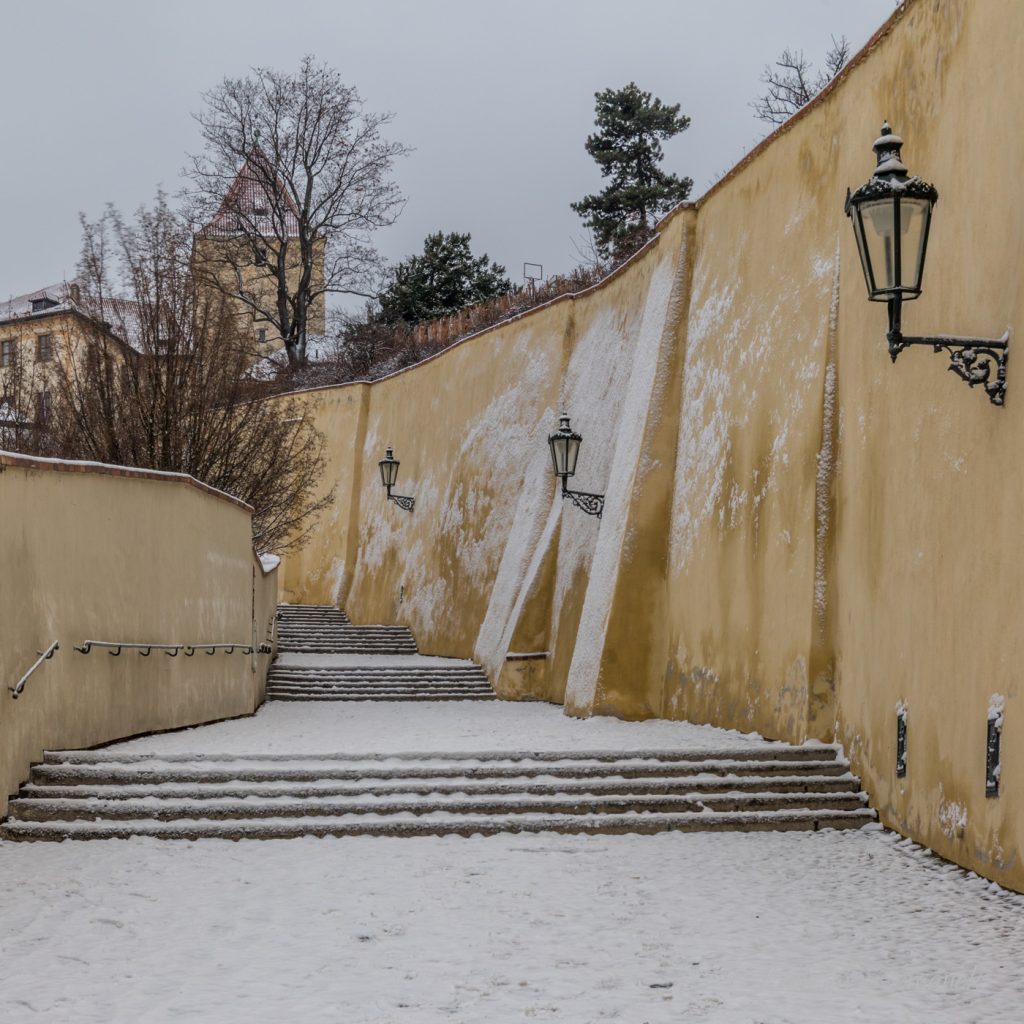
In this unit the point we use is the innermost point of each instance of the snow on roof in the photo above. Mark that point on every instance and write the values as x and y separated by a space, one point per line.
53 298
249 204
122 316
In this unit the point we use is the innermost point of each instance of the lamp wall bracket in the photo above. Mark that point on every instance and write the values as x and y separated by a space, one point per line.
971 359
402 501
592 504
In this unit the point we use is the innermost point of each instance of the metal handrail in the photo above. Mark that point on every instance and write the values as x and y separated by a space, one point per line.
171 650
43 656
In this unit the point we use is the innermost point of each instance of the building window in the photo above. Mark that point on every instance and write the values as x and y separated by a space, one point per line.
44 348
261 257
44 407
261 335
41 305
8 352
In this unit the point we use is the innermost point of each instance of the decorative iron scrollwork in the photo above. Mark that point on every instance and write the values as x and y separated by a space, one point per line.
971 359
402 501
592 504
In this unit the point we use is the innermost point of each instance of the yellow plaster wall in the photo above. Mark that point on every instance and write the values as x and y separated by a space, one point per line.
110 556
797 533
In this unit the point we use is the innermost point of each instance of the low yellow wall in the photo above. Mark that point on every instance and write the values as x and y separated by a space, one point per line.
798 535
96 553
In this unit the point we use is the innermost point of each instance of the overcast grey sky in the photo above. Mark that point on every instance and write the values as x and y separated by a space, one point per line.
496 99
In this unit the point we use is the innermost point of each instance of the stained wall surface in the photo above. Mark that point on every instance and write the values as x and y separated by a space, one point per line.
97 553
798 535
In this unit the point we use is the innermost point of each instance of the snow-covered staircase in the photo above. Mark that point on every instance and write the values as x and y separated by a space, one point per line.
323 629
385 678
112 793
104 794
324 657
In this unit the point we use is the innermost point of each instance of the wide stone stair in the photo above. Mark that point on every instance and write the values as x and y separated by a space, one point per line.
105 794
324 657
324 629
399 679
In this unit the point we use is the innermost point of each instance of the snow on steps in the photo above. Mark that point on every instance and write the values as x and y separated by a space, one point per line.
96 794
322 629
413 681
387 666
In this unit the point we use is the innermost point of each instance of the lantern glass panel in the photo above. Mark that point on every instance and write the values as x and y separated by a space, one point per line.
389 472
914 217
558 446
572 452
878 224
858 231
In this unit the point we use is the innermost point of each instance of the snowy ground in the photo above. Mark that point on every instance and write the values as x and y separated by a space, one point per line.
725 928
454 726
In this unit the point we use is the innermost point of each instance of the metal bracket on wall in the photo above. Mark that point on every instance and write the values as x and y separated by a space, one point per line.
592 504
402 501
971 359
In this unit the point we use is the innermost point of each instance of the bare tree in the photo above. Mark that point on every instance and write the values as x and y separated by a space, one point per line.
156 374
22 402
792 82
294 179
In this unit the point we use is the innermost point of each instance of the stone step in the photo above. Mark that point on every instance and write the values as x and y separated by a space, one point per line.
383 695
440 823
299 771
379 679
752 752
374 627
346 634
147 808
838 784
419 686
346 648
407 665
313 692
388 683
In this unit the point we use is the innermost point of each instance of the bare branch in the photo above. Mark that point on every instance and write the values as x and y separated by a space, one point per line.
292 183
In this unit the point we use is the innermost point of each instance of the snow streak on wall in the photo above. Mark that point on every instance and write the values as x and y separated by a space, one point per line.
798 535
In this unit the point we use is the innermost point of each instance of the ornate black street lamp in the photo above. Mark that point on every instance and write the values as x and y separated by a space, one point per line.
388 475
565 450
891 217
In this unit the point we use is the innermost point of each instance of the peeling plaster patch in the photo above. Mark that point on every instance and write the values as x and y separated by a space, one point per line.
952 816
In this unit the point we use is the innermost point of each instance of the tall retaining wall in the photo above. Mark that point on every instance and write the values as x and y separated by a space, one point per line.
103 553
798 535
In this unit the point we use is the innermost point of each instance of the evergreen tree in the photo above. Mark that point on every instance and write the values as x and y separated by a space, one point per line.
627 147
443 279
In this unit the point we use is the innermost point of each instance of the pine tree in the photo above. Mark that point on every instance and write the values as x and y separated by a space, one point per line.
443 279
627 148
